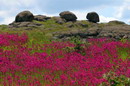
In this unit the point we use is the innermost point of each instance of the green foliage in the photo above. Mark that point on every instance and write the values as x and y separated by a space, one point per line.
37 37
3 27
76 40
123 40
78 44
123 53
69 49
116 80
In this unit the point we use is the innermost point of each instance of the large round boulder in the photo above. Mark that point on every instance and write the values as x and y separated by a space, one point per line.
93 17
24 16
68 16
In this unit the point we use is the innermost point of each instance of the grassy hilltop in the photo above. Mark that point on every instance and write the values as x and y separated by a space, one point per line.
50 29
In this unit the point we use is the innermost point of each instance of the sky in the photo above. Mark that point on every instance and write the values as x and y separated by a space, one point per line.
108 10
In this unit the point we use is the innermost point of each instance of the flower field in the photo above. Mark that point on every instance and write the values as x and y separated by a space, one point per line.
100 62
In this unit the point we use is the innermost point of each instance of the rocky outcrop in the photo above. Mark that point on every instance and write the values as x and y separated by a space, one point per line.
68 16
93 17
115 22
114 32
41 18
23 24
84 29
58 19
25 16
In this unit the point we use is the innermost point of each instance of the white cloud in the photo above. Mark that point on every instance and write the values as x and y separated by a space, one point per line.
106 19
7 20
120 10
5 16
15 3
81 15
2 13
127 0
10 8
123 11
128 21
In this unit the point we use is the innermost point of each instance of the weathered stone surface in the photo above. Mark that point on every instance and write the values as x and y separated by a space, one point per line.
93 31
117 32
58 19
68 16
25 16
79 23
69 24
90 32
114 32
41 18
116 22
93 17
23 24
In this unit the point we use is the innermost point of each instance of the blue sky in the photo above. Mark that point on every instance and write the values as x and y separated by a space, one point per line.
107 9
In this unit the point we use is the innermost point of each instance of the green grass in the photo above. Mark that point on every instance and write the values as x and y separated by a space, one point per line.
3 27
123 53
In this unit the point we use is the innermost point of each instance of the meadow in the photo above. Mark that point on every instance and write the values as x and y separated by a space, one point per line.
33 60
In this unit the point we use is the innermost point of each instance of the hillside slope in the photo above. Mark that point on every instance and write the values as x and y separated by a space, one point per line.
84 29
